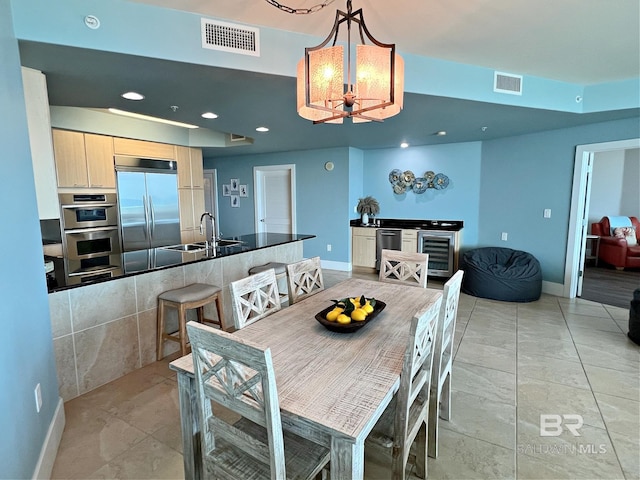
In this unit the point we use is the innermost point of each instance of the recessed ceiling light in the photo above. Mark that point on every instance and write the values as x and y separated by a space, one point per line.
404 145
150 118
133 96
209 115
262 129
441 133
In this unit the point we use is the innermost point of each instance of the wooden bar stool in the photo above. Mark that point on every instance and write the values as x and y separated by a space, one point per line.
281 273
196 295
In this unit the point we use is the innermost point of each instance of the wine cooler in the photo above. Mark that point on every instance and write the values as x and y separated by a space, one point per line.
442 247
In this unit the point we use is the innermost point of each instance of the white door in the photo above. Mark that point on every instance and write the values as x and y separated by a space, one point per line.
275 198
585 221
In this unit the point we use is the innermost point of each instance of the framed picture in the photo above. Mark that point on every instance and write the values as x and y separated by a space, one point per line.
226 190
234 184
243 191
235 201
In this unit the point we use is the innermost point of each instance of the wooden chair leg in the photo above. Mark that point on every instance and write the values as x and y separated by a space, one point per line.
445 398
434 417
421 451
182 326
220 312
160 331
200 311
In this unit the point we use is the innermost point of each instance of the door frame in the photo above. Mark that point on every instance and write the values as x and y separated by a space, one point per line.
257 171
580 206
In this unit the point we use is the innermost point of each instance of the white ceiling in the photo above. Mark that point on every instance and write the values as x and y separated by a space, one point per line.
578 41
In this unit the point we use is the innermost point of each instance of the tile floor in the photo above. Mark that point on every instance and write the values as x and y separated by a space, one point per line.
513 363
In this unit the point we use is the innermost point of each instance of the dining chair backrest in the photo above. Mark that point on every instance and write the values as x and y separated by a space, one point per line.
254 297
404 267
443 359
239 375
305 278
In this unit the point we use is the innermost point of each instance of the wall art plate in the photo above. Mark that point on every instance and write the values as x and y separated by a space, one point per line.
420 185
395 176
440 181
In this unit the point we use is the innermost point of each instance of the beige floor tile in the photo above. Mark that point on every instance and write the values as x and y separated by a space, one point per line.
621 415
535 330
625 360
148 459
627 450
536 397
486 356
488 383
604 340
547 348
531 468
473 416
605 324
588 456
614 382
582 307
493 337
552 370
463 457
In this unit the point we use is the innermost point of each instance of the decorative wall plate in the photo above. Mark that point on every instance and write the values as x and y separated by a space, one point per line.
420 185
428 175
395 176
399 189
440 181
408 177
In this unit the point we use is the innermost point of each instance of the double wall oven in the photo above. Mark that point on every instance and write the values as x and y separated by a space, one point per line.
91 238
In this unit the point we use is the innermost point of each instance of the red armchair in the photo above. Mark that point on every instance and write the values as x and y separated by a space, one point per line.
615 251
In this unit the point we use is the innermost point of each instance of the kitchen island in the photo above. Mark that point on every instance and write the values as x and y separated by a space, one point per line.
105 329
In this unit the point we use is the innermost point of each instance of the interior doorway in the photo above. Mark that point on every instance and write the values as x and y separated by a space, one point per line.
579 215
275 198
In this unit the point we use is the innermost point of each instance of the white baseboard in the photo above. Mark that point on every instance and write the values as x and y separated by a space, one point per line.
552 288
331 265
51 443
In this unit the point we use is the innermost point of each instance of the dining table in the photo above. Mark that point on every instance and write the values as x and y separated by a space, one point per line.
332 386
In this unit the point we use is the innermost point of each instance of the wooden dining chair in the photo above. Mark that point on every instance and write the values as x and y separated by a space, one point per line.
443 358
405 419
239 375
305 278
403 267
254 297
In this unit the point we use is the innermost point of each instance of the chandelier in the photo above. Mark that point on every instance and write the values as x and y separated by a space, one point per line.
328 90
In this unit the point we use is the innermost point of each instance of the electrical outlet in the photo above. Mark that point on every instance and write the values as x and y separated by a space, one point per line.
38 394
328 247
504 236
547 213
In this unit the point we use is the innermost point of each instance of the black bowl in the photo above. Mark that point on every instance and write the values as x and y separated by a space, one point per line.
349 327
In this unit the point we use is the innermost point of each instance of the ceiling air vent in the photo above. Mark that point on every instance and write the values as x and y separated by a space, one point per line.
507 83
230 37
234 137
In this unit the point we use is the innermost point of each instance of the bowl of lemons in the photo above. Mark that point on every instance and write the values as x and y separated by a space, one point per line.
350 313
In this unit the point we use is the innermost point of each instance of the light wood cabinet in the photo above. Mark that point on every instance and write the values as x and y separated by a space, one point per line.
83 160
191 207
410 241
141 148
363 247
190 167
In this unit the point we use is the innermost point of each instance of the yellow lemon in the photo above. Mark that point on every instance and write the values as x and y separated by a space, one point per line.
355 302
358 315
333 314
367 307
344 319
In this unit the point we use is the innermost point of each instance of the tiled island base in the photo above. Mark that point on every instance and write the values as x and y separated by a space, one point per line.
106 330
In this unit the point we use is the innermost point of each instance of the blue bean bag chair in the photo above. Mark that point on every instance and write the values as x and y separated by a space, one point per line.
502 274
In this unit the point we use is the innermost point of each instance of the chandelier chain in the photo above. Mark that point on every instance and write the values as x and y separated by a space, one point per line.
299 11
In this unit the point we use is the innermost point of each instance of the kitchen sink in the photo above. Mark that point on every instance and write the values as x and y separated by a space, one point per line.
186 247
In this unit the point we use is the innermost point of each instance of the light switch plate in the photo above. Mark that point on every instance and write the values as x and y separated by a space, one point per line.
504 236
547 213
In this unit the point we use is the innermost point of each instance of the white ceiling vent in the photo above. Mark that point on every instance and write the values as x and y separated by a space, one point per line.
230 37
507 83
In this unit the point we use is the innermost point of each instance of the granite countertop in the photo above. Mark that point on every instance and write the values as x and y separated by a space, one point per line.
410 224
142 261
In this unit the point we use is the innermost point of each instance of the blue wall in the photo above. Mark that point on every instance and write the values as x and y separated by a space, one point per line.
26 355
521 176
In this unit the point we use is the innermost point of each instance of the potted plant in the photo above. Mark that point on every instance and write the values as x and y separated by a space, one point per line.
367 206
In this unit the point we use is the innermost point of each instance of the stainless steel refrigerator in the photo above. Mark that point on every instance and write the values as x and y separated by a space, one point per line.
148 203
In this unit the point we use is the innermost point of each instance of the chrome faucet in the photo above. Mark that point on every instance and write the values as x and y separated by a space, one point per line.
214 239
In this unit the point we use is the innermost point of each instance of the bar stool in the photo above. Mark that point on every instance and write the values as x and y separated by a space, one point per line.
196 295
281 273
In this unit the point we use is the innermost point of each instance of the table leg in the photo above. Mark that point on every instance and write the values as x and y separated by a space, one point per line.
190 423
347 459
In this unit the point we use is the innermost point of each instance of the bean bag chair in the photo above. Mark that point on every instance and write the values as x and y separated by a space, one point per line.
502 274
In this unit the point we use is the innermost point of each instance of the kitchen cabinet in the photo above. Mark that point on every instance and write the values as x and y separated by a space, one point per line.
410 241
144 149
363 247
190 192
83 160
